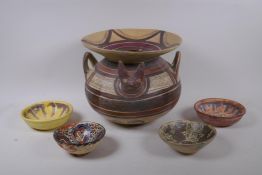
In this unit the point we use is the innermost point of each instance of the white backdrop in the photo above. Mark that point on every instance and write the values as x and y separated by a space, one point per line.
41 59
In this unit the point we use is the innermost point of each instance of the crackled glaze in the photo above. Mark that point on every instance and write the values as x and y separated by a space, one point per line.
187 136
79 138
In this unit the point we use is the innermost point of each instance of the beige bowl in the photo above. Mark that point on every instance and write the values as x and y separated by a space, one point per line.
186 136
132 45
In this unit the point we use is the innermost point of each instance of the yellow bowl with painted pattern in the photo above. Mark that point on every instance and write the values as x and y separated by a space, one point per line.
47 115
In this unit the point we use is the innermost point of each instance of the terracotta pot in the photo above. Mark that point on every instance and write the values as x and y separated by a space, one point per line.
132 85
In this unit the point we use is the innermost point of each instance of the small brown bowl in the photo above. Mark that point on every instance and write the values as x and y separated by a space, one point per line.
219 112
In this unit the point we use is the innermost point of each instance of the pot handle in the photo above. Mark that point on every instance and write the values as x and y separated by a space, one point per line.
176 63
88 56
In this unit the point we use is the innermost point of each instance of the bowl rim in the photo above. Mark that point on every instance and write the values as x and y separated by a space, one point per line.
46 120
74 125
208 100
121 52
189 121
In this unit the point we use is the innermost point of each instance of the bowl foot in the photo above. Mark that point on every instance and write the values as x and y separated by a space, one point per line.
186 153
79 155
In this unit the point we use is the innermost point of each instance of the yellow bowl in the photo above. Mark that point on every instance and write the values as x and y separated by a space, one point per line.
47 115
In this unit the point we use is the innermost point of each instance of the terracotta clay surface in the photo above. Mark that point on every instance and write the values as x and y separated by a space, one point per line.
132 45
219 112
186 136
134 93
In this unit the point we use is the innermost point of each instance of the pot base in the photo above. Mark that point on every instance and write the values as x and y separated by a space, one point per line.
134 120
139 121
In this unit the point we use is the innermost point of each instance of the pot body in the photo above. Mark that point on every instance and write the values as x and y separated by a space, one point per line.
158 92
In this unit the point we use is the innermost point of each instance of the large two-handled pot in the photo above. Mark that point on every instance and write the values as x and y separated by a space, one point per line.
132 84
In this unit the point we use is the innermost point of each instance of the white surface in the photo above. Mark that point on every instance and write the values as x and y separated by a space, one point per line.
41 58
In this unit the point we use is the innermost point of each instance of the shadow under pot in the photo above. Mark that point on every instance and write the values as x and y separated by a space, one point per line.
132 84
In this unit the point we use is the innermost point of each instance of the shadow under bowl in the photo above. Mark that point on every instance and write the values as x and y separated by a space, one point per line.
47 115
186 137
79 138
219 112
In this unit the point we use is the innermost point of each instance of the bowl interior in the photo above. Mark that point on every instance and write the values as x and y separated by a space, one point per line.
187 132
132 43
220 108
80 133
47 111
